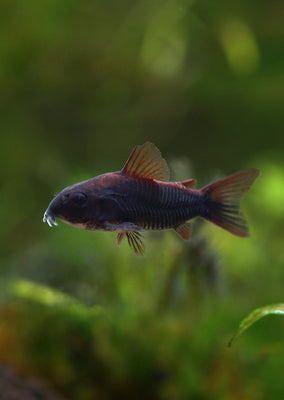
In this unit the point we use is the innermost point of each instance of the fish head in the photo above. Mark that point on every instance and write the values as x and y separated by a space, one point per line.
88 204
71 205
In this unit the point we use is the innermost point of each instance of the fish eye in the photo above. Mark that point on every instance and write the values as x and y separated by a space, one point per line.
78 199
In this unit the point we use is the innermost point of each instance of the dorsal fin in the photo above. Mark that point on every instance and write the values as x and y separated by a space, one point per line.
146 161
190 183
184 230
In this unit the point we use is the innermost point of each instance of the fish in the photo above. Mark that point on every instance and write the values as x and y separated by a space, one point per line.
140 197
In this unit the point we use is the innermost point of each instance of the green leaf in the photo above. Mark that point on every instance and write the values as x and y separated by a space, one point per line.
44 295
39 293
255 316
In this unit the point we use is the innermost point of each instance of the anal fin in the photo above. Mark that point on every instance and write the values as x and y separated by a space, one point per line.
184 230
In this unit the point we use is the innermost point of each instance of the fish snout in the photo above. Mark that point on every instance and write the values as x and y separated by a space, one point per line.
49 218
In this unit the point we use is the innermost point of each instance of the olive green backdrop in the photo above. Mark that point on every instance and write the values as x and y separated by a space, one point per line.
83 82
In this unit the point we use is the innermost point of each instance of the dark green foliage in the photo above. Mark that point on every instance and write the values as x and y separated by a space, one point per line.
255 316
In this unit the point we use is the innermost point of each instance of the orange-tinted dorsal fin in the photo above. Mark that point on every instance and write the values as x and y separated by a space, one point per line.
190 183
184 230
146 161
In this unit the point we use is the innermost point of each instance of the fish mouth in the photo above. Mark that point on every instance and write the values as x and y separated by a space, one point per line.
49 218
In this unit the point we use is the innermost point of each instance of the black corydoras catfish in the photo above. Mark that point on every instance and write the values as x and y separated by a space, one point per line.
139 197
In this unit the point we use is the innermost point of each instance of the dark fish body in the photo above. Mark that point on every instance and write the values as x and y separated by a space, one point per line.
117 198
139 197
156 205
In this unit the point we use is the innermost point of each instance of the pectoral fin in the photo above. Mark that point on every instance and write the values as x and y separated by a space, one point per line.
135 242
120 238
134 239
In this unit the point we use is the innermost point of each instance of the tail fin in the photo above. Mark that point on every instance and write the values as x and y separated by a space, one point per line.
224 198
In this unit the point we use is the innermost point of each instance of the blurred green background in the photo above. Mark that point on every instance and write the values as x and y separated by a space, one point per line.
83 82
